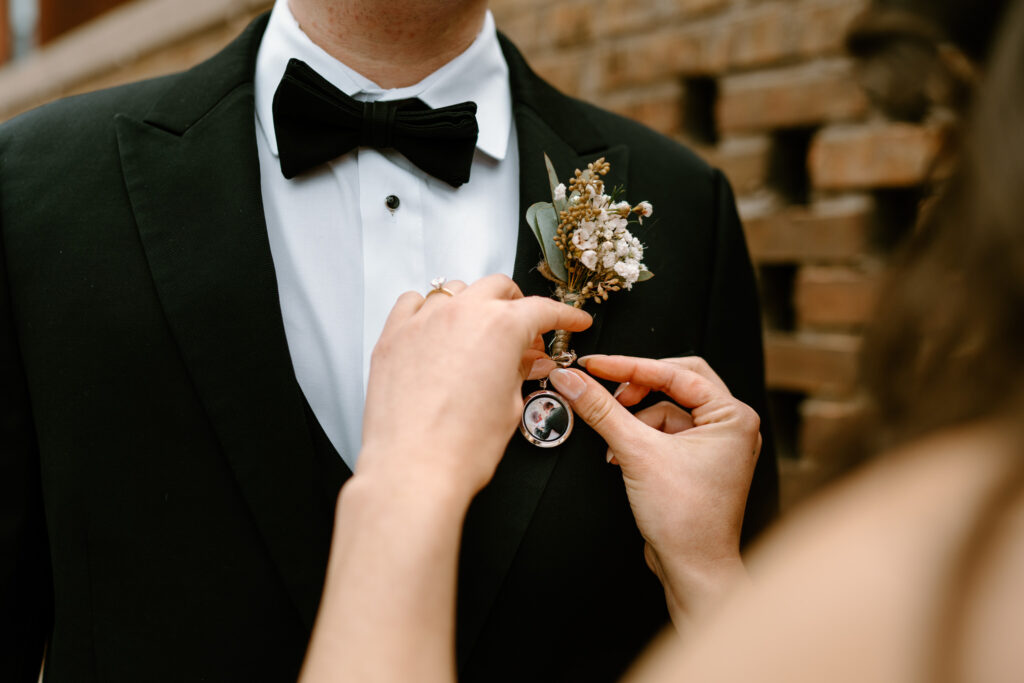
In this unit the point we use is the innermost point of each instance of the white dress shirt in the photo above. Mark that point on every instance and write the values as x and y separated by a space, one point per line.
341 256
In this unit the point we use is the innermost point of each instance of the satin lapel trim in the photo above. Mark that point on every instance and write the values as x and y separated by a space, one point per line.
501 513
196 199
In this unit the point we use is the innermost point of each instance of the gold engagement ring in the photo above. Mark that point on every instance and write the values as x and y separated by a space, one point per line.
438 287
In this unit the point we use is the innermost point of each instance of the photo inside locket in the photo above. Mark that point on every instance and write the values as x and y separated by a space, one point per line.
546 418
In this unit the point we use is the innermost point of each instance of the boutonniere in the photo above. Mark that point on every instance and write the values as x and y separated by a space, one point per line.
588 252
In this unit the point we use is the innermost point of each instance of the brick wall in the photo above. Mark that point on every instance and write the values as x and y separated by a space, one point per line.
825 185
57 17
761 88
5 32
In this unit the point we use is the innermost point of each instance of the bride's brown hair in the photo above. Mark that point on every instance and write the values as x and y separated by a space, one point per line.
947 341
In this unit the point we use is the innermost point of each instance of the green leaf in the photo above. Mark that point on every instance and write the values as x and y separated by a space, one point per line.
531 219
645 275
544 222
560 204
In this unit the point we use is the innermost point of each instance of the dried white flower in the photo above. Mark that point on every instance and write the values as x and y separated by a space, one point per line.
629 271
589 259
559 192
584 241
645 210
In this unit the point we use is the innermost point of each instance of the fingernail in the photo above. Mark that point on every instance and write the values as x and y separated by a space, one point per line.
608 457
622 387
582 362
568 383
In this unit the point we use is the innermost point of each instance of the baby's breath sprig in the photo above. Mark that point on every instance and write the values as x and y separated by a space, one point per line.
587 247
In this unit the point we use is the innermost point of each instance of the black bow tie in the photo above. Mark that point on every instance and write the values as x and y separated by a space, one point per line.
315 122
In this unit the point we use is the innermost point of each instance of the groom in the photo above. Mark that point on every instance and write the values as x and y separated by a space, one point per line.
193 275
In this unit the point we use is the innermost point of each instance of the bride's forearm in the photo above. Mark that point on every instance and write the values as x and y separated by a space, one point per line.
387 612
693 594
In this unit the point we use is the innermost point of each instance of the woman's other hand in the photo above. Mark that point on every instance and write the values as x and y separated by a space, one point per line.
445 382
687 472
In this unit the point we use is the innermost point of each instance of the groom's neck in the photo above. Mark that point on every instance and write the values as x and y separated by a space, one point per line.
394 43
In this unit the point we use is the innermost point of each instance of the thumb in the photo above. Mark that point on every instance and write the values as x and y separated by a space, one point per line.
600 410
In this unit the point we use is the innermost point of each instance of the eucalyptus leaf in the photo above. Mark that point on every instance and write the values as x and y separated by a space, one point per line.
543 221
531 219
645 275
560 204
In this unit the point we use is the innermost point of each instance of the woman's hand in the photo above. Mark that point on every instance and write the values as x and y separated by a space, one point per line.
444 398
445 382
687 474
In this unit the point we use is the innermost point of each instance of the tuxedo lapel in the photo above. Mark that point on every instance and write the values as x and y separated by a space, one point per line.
547 122
193 179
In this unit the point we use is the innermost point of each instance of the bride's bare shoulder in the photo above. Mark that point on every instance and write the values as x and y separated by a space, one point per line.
847 586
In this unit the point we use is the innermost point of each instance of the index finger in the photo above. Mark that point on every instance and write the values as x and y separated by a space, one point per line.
688 388
495 286
404 308
700 366
547 314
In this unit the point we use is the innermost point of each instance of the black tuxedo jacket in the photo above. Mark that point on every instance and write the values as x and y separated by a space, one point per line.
166 502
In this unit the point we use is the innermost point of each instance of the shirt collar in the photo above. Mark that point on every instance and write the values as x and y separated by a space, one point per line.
479 74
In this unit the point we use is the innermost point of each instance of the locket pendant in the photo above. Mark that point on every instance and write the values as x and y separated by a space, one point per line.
547 417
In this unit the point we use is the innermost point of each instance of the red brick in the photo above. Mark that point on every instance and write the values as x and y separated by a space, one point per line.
768 33
199 46
824 25
691 7
107 50
524 29
761 35
743 160
671 53
627 17
829 231
659 108
822 424
796 96
835 296
812 363
797 478
877 155
503 8
569 22
5 33
614 18
565 70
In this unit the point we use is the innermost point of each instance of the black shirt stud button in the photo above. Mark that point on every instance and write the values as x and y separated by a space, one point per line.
392 202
